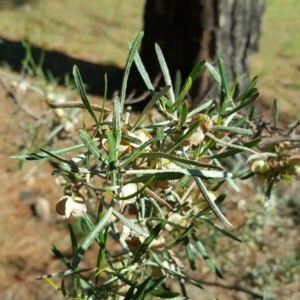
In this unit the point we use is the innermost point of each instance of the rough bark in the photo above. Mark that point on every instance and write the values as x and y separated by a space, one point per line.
194 30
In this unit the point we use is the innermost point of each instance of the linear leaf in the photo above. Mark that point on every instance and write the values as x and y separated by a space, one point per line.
223 76
150 104
235 151
41 155
129 61
214 73
89 143
152 236
189 254
82 92
224 232
248 90
252 97
211 203
60 256
230 145
139 295
90 238
189 172
180 160
141 68
165 72
206 257
236 130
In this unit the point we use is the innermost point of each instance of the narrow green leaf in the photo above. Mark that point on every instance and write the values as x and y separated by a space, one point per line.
206 257
268 193
150 105
230 145
236 130
82 92
63 288
187 231
201 107
90 238
69 168
129 61
89 143
165 72
152 236
130 292
112 147
129 223
245 94
223 76
234 85
65 273
189 254
87 222
42 155
167 295
253 97
235 151
74 250
60 256
184 113
131 139
154 178
175 273
177 85
190 172
155 283
54 155
211 203
89 288
185 89
116 120
214 73
188 83
140 66
140 293
73 239
224 232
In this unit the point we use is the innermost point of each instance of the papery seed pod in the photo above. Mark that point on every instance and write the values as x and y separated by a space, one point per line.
68 205
293 164
143 135
126 191
158 243
178 219
196 202
260 167
206 123
195 139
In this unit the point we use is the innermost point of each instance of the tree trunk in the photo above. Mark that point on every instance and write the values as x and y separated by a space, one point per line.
194 30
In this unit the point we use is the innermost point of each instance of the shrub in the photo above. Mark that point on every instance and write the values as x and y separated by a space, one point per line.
168 173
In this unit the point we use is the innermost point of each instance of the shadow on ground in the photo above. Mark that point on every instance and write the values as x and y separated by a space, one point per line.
59 64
